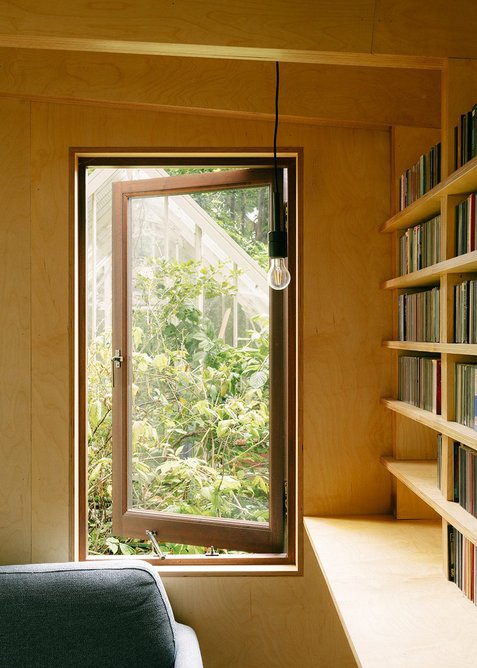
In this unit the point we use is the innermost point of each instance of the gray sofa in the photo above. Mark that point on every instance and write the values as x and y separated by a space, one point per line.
110 613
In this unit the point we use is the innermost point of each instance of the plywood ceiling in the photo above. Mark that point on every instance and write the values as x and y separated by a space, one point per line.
353 32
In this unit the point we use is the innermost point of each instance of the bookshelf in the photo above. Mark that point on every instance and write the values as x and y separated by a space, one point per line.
413 465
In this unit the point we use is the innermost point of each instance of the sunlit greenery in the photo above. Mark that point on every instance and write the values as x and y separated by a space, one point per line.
200 407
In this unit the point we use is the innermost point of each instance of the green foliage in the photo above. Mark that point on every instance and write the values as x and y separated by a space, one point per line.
200 422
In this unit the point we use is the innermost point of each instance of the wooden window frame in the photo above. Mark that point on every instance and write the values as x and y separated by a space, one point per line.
277 545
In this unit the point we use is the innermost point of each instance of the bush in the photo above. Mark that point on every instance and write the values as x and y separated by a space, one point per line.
200 416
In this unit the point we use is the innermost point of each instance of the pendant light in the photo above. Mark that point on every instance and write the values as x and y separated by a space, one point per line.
278 274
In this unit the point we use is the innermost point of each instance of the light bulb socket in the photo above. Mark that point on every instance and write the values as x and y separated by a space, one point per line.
277 243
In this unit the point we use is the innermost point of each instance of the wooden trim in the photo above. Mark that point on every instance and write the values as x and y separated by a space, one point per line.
421 346
420 477
128 156
430 275
436 422
288 158
294 371
191 183
120 376
78 338
221 51
226 564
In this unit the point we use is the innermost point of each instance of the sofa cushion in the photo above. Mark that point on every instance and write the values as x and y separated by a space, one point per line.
86 614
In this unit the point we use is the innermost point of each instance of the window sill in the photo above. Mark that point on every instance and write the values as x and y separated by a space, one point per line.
231 571
386 580
212 570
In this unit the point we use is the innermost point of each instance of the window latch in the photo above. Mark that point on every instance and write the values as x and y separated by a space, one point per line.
116 361
155 545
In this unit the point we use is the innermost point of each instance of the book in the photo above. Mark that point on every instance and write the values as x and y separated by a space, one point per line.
419 381
420 177
420 246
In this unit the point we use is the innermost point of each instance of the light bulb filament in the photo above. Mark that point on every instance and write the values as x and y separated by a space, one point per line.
278 274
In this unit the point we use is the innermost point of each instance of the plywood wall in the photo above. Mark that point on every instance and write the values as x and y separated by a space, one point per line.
15 333
345 319
309 93
344 312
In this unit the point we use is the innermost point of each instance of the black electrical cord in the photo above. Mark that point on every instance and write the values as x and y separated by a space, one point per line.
275 133
277 237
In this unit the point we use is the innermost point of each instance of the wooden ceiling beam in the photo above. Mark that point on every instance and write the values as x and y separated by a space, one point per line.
222 52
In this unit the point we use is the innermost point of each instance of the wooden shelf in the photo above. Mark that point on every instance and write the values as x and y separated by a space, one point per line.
416 494
431 275
437 422
460 182
420 346
386 580
420 477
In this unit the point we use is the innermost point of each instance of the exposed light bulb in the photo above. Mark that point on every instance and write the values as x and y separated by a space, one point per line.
278 274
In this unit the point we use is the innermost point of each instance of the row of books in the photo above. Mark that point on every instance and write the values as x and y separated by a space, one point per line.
465 228
462 560
421 177
420 246
419 382
466 394
465 312
465 138
461 552
419 316
467 478
463 475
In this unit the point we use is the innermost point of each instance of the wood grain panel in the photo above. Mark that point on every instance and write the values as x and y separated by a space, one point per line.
346 315
414 440
263 622
329 26
51 380
15 404
429 27
410 507
270 29
356 95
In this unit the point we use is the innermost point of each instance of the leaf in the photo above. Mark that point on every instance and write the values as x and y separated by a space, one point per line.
224 427
113 544
137 336
258 379
160 361
126 549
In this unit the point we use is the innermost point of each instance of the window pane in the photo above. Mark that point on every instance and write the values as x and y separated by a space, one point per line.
199 393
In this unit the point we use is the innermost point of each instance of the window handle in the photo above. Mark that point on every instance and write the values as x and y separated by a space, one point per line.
116 361
155 545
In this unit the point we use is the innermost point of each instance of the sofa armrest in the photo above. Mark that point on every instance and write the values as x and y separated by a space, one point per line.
187 648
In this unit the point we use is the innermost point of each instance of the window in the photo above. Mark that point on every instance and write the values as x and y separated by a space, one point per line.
188 396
